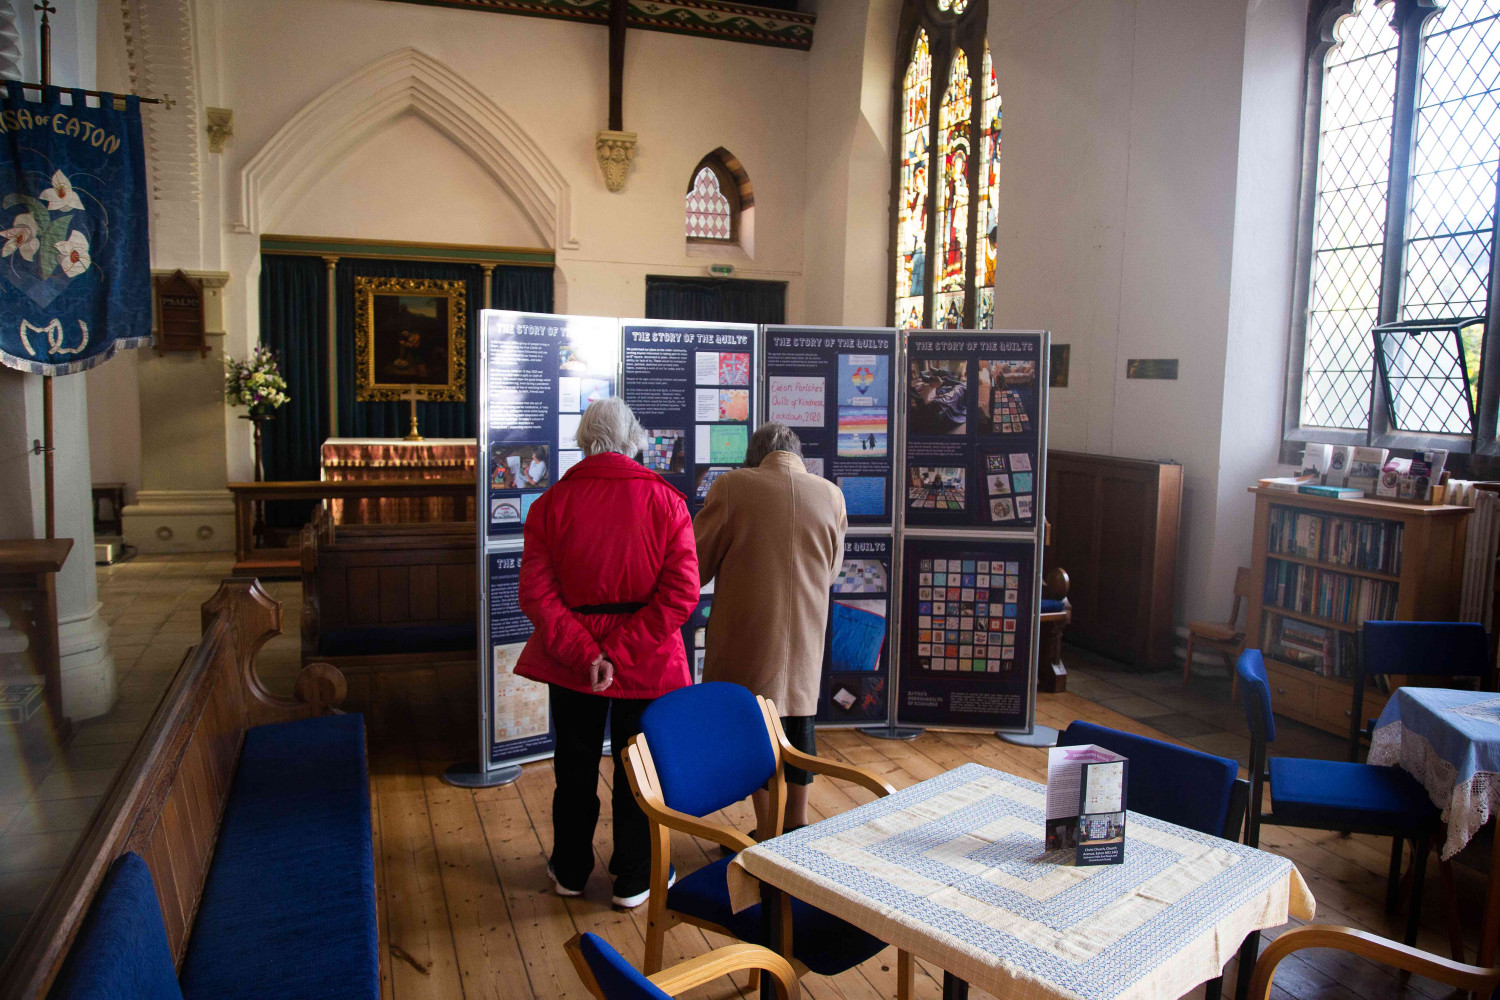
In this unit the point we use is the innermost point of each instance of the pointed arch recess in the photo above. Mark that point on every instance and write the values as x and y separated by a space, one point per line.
335 123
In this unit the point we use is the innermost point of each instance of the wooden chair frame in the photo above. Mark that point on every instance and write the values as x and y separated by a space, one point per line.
641 771
704 969
1230 648
1471 978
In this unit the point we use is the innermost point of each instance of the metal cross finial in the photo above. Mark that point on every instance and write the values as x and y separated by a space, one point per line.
46 8
167 103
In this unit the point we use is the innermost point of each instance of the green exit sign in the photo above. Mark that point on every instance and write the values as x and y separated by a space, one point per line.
721 270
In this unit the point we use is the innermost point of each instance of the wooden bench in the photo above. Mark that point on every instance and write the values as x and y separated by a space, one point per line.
228 847
388 595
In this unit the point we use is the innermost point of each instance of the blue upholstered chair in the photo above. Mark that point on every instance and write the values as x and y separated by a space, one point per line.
705 747
1181 785
1415 649
1335 795
608 976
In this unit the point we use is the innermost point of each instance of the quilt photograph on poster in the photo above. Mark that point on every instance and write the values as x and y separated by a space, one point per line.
856 659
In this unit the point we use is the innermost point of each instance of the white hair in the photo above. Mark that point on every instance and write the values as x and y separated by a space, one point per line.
610 425
771 437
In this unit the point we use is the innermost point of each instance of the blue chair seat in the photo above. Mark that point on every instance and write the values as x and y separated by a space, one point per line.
288 908
821 941
1336 794
1051 607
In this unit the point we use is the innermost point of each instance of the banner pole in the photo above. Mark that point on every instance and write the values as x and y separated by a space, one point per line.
49 478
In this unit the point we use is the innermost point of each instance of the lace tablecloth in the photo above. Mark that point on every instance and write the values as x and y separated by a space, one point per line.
1449 741
952 870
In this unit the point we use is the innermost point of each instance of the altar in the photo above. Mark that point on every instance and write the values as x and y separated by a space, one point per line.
391 458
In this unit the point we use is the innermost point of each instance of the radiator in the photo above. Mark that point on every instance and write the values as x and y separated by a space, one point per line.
1483 541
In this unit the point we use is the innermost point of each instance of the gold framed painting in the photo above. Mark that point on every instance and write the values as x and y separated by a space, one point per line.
409 333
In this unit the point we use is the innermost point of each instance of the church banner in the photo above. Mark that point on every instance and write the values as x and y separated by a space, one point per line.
76 254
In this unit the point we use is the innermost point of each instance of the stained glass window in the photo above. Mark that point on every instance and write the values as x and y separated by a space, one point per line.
911 222
1349 233
952 6
953 196
989 200
709 215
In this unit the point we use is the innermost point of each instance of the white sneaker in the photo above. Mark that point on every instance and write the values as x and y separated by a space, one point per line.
631 902
561 889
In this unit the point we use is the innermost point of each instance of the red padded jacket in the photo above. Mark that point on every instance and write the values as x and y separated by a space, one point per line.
609 532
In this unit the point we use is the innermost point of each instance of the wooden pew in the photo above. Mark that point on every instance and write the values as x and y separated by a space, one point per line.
388 595
168 799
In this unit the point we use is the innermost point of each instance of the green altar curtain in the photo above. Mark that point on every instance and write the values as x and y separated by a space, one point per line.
715 300
294 324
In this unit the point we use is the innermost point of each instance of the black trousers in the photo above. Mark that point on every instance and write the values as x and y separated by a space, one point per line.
578 720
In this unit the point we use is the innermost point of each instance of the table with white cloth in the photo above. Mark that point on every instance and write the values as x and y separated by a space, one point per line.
1449 740
953 871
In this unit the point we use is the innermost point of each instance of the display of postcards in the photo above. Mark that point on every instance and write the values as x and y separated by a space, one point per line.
814 466
856 635
1002 509
519 467
705 479
1000 484
734 404
862 432
860 576
1020 461
1008 413
734 369
1022 482
937 396
964 622
505 510
665 451
1023 507
994 463
931 488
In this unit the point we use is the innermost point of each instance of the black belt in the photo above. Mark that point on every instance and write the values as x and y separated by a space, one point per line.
623 608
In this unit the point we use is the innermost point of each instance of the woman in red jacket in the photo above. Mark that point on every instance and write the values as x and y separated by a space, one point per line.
609 575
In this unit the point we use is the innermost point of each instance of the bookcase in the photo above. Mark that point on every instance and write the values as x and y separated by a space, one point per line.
1320 568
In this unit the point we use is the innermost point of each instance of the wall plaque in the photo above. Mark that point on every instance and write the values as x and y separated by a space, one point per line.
180 324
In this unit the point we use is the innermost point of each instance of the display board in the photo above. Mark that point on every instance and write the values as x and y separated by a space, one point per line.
833 387
972 455
694 387
539 372
973 425
856 682
968 632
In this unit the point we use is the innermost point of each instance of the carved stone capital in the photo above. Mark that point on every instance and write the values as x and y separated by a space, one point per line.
220 127
615 151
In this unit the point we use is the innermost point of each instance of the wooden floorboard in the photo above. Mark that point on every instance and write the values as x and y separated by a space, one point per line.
466 908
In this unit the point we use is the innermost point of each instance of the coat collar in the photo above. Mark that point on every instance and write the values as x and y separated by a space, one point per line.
609 465
783 461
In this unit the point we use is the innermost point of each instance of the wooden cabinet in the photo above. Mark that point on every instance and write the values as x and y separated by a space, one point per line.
1116 522
1317 584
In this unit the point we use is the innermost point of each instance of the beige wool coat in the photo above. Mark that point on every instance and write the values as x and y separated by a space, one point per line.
773 540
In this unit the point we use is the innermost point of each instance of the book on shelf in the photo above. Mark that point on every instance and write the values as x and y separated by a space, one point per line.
1364 468
1331 492
1338 466
1288 484
1355 542
1325 651
1328 594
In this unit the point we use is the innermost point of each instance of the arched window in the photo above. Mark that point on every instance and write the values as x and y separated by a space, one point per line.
717 196
947 169
1398 222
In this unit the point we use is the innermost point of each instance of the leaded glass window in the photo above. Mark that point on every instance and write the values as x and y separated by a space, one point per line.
953 196
911 208
989 199
1404 212
709 216
946 191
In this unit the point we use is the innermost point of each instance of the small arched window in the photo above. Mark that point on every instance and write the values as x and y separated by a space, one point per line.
718 194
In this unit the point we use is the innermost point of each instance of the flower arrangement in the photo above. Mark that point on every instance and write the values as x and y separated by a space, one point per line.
255 384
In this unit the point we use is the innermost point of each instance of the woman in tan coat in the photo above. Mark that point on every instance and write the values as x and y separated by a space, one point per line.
772 535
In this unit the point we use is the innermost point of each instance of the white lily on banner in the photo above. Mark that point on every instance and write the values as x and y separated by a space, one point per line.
61 195
73 254
21 237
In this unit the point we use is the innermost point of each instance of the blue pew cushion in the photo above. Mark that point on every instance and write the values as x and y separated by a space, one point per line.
288 908
681 726
1331 794
617 978
1178 784
1053 607
820 941
121 951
